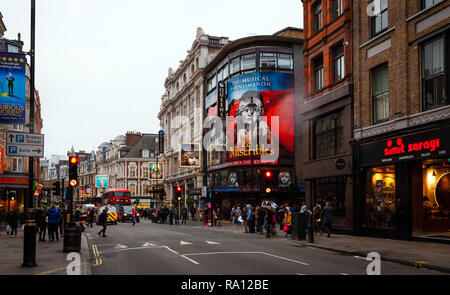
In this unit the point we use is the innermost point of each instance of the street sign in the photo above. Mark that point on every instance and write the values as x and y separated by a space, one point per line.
204 191
19 144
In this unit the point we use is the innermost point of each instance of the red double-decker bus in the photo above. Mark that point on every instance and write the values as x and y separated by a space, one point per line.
116 197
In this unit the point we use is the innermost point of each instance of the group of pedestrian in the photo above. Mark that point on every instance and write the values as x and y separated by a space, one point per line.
12 219
172 215
51 220
261 217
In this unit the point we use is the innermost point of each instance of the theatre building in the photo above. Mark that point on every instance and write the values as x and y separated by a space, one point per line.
402 120
252 79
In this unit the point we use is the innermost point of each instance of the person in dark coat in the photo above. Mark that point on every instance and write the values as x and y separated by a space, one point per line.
171 214
102 220
13 220
61 222
41 224
184 215
54 217
327 213
91 217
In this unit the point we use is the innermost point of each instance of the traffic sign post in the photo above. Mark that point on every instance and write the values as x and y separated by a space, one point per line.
24 144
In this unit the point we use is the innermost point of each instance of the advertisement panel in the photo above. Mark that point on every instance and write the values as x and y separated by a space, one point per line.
156 171
101 181
12 88
190 155
253 96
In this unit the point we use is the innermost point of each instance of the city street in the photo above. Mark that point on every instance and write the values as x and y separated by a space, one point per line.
162 249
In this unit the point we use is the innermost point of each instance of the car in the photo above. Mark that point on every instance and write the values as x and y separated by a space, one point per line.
112 215
125 213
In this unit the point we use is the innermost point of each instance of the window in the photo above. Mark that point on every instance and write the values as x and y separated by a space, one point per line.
317 11
235 65
424 4
380 93
337 8
318 74
145 153
225 72
379 22
145 172
220 75
329 135
132 171
434 74
12 48
18 127
132 189
285 61
267 60
339 64
211 83
17 165
248 62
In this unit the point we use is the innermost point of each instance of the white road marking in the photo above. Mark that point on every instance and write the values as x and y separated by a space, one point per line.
149 245
264 253
212 243
185 243
344 274
187 258
119 246
300 274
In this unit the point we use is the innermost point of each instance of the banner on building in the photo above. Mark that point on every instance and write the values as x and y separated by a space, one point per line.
190 155
12 88
101 181
156 171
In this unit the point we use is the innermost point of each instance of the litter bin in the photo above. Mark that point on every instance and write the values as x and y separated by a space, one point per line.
72 238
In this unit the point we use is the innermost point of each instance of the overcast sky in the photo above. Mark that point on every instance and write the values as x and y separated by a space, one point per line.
101 64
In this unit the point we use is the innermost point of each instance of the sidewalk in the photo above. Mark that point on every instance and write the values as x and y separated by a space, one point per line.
417 254
50 258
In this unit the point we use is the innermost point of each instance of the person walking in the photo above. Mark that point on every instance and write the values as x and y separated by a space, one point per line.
102 220
171 214
13 219
53 220
259 214
91 217
268 221
133 216
41 224
193 213
327 214
287 222
233 215
248 218
306 213
316 219
61 221
184 213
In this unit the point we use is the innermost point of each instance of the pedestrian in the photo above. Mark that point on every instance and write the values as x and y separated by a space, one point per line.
306 214
171 214
13 219
316 219
61 221
54 217
327 216
233 215
259 214
193 213
102 220
91 217
280 216
184 215
287 222
41 224
133 216
176 215
248 218
268 221
77 214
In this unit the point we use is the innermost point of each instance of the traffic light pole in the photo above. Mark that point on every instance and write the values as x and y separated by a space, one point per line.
29 239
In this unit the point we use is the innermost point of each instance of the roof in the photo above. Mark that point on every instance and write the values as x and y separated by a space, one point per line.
147 142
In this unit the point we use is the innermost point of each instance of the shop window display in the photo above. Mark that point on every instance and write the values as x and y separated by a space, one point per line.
436 196
380 198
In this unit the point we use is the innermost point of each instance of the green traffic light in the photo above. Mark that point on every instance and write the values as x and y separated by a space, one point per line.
13 198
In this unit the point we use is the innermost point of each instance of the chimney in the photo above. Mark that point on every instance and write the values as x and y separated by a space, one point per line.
132 138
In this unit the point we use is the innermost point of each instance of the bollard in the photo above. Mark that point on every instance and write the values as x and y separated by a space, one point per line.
72 238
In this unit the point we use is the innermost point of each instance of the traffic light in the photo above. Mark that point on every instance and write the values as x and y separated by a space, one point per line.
73 171
267 181
178 193
57 188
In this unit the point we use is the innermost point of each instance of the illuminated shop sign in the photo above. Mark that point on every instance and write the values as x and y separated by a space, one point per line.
433 144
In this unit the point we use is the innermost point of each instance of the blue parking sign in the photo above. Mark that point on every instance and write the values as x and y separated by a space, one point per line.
12 149
20 138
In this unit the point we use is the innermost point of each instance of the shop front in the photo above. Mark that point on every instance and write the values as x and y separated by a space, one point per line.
403 185
13 191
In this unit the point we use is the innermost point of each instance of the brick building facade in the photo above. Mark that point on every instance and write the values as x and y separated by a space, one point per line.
401 117
327 107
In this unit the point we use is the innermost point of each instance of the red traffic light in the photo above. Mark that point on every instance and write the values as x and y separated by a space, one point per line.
73 160
268 174
178 188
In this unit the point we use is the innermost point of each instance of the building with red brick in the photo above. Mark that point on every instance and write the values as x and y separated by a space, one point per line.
326 110
401 118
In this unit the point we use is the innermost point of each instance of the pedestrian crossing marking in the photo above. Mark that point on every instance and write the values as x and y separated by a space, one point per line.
212 243
185 243
119 246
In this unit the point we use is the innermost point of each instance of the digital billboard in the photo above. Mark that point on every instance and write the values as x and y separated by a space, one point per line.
252 97
190 155
12 88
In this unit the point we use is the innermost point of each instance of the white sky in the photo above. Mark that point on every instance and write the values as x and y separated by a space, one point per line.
101 64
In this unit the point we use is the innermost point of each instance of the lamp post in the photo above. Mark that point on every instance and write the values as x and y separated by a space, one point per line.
29 239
